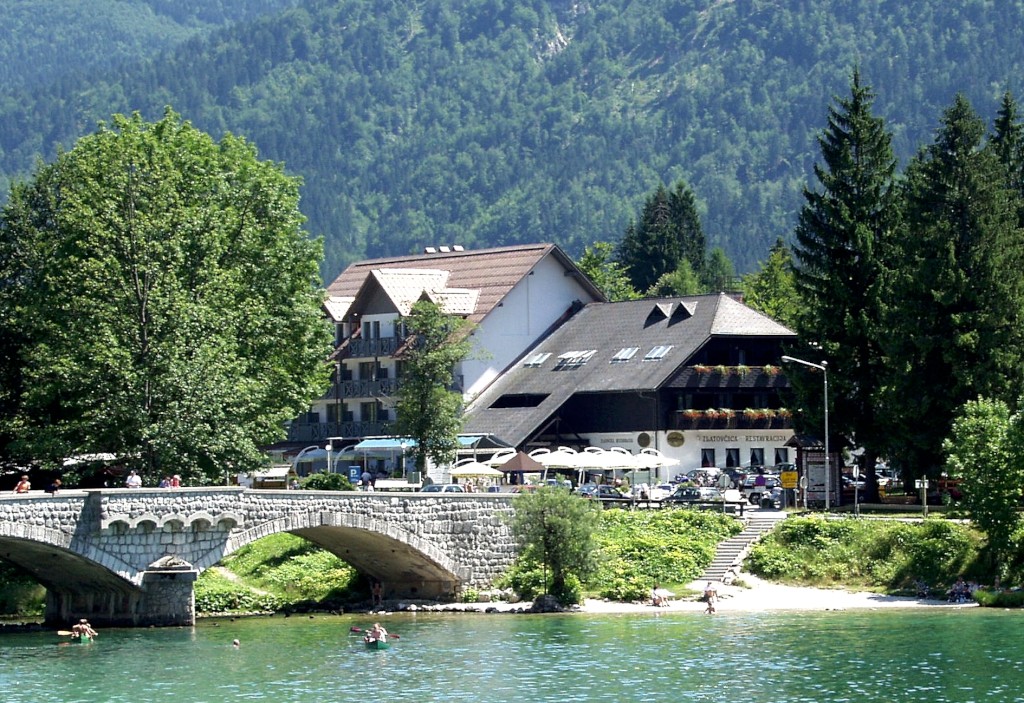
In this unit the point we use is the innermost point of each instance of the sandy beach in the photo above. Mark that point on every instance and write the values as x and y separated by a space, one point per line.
754 595
757 594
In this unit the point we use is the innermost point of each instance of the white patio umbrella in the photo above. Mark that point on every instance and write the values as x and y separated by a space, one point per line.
652 459
561 458
500 457
614 458
474 469
596 458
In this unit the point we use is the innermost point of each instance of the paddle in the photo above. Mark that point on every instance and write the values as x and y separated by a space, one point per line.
65 633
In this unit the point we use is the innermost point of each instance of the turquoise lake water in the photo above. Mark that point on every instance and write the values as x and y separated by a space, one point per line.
966 655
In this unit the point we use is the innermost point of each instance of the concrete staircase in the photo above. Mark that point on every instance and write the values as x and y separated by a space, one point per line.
731 552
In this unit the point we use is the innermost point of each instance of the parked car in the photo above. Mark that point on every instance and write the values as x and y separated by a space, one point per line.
443 488
771 481
661 491
737 475
704 476
604 493
693 494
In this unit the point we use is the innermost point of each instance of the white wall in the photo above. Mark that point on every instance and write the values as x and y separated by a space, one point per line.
528 310
688 451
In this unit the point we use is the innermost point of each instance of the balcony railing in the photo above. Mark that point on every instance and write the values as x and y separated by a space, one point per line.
319 432
367 348
766 419
732 377
363 389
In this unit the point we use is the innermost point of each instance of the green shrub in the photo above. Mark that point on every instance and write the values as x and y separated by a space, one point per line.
571 592
526 579
1000 599
327 482
884 554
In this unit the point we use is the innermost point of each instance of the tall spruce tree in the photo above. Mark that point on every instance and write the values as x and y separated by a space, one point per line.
843 236
1008 144
667 232
956 309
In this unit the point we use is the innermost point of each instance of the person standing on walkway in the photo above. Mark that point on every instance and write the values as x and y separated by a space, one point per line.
23 485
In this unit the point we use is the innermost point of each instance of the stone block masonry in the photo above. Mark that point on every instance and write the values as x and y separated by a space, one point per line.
131 557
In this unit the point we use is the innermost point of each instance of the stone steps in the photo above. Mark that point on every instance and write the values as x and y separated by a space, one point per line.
731 552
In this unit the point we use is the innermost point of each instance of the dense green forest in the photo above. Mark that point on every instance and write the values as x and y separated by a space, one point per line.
486 122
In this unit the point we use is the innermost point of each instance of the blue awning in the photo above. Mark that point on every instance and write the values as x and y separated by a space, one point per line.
393 443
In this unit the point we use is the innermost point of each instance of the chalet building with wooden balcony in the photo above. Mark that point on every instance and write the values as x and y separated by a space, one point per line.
513 295
697 377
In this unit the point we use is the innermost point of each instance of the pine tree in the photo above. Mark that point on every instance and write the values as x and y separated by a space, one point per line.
843 235
956 311
1008 144
667 232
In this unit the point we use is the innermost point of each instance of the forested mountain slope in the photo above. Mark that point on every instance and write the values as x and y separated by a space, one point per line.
485 122
45 40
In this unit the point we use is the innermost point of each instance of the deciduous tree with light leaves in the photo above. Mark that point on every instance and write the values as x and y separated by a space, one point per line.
164 299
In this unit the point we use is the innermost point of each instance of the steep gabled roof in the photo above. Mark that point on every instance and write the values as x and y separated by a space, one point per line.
337 306
404 286
491 272
630 346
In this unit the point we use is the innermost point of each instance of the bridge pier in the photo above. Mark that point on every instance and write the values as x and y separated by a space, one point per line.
166 599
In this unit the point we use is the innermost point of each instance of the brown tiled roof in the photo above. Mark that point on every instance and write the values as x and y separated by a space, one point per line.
493 272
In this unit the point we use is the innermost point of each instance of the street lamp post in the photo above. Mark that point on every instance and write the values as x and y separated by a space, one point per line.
329 449
823 367
405 474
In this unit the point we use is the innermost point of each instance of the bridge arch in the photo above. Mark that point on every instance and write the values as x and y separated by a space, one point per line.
132 556
405 563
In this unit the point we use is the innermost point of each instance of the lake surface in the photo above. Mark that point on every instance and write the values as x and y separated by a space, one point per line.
968 655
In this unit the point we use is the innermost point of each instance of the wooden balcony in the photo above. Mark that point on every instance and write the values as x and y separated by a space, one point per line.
319 432
719 420
371 348
362 389
739 377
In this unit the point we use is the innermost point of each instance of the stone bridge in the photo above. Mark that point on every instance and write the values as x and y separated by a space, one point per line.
131 557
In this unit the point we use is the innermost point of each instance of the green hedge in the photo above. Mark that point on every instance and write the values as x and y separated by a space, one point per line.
888 555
